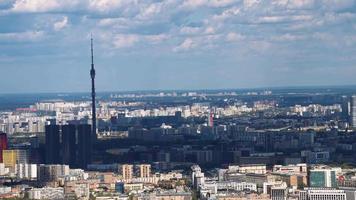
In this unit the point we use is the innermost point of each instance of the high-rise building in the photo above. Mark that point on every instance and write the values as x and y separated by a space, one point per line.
127 171
211 120
3 169
84 145
26 171
3 144
68 144
353 111
69 153
322 178
345 107
145 171
52 144
13 157
198 178
48 173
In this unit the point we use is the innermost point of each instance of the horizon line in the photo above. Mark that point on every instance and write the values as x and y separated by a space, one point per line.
190 90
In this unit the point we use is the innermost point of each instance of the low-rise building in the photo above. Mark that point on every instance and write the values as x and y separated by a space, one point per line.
322 194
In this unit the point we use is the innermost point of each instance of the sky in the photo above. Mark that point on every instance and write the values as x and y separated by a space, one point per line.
175 44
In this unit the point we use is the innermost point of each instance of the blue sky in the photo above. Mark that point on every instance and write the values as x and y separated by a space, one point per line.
176 44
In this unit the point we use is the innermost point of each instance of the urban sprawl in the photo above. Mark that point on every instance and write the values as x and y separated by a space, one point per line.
223 145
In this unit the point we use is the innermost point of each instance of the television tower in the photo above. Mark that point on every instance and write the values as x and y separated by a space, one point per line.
93 102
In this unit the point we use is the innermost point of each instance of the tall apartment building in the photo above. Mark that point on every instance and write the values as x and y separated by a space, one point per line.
127 172
13 157
48 173
198 178
26 171
145 170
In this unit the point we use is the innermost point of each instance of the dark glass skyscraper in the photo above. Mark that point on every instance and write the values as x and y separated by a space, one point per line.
84 145
52 144
69 145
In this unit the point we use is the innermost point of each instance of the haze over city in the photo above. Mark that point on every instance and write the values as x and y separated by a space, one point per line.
177 99
176 44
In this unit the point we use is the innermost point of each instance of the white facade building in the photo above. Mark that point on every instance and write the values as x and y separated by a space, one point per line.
322 194
26 171
46 193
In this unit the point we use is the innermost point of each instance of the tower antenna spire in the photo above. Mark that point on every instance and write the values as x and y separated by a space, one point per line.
92 52
92 75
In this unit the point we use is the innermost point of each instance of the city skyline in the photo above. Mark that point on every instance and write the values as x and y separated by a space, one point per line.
178 99
172 45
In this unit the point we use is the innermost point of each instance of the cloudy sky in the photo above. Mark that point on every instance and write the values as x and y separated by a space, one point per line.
176 44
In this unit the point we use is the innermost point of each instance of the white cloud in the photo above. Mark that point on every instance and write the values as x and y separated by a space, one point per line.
191 4
281 3
35 5
288 37
46 5
125 40
116 23
228 13
260 46
337 4
109 21
283 18
157 38
188 30
221 3
128 23
108 5
59 25
251 3
209 30
22 36
233 37
101 6
150 11
301 4
185 45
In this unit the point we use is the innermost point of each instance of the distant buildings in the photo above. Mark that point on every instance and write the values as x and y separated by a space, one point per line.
158 141
353 112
